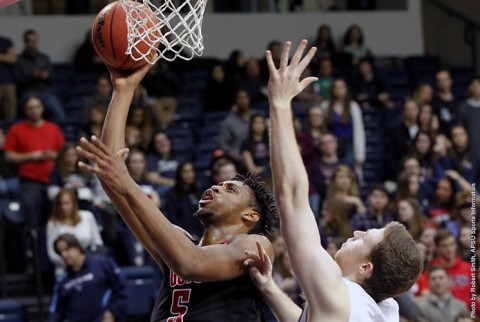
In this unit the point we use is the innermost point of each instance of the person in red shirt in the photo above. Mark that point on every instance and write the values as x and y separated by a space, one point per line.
33 144
459 271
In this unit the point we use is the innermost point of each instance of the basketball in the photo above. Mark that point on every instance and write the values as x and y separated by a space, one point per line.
109 35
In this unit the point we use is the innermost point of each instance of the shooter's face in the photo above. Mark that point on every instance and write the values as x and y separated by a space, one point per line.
224 201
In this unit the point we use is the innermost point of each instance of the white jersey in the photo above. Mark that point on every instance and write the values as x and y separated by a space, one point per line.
364 309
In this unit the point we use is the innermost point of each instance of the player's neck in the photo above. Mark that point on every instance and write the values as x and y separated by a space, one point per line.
218 235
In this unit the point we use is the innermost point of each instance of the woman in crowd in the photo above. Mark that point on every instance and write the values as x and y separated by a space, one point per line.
345 121
255 149
334 222
343 185
181 202
67 218
409 213
354 44
162 163
68 175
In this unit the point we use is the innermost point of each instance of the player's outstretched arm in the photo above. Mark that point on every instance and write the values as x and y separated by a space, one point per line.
260 269
319 275
113 135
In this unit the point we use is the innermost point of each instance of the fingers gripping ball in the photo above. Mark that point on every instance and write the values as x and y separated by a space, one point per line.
109 35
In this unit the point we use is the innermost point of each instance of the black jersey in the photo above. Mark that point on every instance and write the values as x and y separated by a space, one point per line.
236 300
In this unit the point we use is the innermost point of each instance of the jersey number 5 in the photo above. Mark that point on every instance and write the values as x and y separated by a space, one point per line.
180 300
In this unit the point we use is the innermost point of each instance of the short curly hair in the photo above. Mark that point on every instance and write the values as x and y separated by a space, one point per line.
262 202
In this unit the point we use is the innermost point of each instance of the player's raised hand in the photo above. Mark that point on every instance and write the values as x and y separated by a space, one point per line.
284 83
110 168
259 267
130 78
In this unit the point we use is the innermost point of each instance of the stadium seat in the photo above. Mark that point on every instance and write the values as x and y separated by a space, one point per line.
142 284
11 311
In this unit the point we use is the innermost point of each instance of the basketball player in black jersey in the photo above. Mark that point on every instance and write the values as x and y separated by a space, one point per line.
204 282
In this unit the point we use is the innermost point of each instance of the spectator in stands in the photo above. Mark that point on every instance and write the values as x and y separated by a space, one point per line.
409 213
378 213
334 221
462 213
465 161
95 118
400 138
345 121
67 218
275 47
234 128
162 163
140 117
464 241
309 139
354 44
325 45
420 288
68 175
235 67
137 168
129 246
442 148
344 186
423 93
9 182
408 185
102 95
442 205
427 237
93 288
458 271
422 150
323 169
256 149
469 113
253 83
444 103
323 86
86 59
368 87
223 168
8 89
411 185
218 93
34 76
163 86
439 305
309 143
427 120
33 146
284 277
181 202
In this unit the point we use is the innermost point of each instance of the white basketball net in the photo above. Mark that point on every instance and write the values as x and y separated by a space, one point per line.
171 30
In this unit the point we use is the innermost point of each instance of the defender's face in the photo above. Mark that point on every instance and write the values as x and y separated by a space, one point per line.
358 248
226 198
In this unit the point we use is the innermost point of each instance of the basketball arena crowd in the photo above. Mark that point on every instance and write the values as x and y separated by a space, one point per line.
382 139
